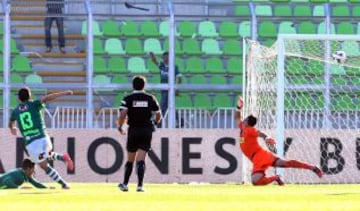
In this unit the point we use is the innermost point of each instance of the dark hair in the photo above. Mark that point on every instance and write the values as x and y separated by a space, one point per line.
165 53
27 164
139 82
251 120
24 94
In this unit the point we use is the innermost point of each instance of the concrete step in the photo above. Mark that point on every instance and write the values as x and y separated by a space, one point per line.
42 49
42 36
65 74
57 55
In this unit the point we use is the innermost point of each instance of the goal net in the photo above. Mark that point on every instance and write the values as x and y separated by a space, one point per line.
309 102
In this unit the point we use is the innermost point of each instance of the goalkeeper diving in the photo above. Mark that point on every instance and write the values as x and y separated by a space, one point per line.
263 159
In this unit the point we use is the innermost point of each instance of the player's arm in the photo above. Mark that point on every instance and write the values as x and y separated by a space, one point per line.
12 125
36 183
270 142
239 106
153 58
122 120
55 95
8 184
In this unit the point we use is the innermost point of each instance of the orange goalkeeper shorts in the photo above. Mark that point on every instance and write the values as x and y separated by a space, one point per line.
262 160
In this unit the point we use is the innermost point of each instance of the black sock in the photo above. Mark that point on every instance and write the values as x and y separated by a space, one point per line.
128 170
140 165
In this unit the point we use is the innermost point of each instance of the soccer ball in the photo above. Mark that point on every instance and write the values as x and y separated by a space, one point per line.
339 56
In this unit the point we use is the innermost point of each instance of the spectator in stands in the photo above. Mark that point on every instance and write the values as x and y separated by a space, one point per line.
54 12
164 70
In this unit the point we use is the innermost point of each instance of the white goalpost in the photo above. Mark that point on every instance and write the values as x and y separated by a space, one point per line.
309 101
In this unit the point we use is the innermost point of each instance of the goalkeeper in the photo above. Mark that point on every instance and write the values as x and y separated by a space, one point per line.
262 159
16 177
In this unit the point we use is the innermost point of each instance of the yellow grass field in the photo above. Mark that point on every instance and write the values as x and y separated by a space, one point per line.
102 196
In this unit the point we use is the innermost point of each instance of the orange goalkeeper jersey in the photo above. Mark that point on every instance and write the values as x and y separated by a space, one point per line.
249 144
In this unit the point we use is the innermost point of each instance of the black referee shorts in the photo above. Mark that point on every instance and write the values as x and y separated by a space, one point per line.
139 138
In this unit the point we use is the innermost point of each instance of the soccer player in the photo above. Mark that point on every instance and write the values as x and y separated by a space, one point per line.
16 177
262 159
139 108
30 121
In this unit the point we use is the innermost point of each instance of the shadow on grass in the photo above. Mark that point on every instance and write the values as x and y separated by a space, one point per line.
342 194
30 193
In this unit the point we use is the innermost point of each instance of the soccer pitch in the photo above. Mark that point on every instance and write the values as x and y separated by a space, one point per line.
185 197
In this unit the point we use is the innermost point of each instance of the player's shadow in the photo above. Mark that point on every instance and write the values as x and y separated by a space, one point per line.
39 193
342 194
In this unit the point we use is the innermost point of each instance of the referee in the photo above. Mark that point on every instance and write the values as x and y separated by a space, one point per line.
138 107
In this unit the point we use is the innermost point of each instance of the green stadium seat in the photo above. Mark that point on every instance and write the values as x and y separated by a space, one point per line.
137 65
98 46
269 42
202 101
100 65
337 70
15 78
354 81
214 66
152 45
21 64
315 67
354 1
111 28
356 11
302 10
117 65
113 46
198 79
287 27
33 79
228 29
351 48
306 28
117 100
319 10
191 47
194 65
340 11
207 29
342 103
13 47
222 101
282 10
1 31
237 79
353 71
267 29
180 63
152 67
102 80
322 28
210 47
149 29
234 65
263 10
13 101
339 80
1 65
242 10
130 29
296 1
133 47
120 79
319 1
155 79
245 29
232 48
187 29
338 1
295 66
164 29
96 28
358 28
345 28
218 79
183 101
178 49
303 101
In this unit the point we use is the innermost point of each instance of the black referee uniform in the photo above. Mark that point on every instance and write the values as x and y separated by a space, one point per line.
140 106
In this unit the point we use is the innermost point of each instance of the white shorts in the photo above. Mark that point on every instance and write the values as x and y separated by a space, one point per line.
39 149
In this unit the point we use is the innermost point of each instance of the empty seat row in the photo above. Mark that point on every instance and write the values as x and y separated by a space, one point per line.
111 28
19 64
193 65
133 46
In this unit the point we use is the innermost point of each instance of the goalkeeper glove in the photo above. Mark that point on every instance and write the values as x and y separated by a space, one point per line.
271 144
240 103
